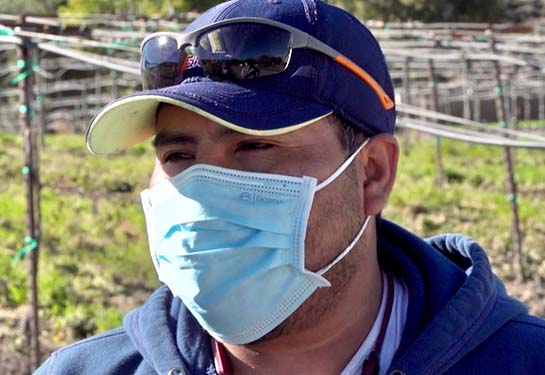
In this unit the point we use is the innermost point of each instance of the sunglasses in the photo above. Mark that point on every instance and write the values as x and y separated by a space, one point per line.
235 49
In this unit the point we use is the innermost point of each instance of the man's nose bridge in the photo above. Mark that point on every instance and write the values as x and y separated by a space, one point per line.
158 174
217 154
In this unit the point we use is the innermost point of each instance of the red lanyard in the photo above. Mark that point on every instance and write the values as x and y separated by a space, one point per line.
370 366
221 360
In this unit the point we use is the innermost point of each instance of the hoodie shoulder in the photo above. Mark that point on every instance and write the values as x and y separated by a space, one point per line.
88 357
526 334
515 348
468 323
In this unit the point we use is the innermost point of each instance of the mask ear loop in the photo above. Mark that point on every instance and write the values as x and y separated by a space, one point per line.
326 182
347 250
342 167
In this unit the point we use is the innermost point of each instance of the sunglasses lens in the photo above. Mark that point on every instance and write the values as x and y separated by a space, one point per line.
161 63
243 51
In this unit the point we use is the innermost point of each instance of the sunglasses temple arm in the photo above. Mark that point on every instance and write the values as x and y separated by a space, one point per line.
385 100
313 43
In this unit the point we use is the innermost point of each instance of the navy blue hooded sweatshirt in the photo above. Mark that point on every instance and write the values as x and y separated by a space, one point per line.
459 321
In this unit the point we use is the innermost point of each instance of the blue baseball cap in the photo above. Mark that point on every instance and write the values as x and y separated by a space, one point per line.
312 87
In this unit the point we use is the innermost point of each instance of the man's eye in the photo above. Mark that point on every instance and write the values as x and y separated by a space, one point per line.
174 157
255 146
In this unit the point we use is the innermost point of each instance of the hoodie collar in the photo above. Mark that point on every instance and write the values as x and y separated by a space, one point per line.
168 337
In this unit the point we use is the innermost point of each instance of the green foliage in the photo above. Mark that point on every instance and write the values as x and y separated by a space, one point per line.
128 7
426 10
474 199
388 10
30 6
93 248
201 5
120 7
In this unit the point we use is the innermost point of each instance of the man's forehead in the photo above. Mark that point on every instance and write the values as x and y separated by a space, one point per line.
176 125
189 134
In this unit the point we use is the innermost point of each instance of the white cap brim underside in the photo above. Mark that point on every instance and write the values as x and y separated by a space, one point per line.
131 120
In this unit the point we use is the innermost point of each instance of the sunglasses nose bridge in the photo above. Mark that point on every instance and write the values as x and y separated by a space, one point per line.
184 40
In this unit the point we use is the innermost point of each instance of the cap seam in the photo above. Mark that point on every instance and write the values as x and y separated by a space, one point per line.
313 10
317 85
307 11
223 11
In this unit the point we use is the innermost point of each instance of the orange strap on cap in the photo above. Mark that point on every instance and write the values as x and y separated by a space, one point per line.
387 103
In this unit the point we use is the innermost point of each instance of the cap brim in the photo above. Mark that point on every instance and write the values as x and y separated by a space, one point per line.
131 119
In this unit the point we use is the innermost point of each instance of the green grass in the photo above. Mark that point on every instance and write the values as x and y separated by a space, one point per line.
474 199
94 256
93 245
531 123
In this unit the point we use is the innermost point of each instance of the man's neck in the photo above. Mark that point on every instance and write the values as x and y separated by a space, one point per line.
326 348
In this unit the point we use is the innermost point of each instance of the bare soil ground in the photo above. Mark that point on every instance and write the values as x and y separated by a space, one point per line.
12 357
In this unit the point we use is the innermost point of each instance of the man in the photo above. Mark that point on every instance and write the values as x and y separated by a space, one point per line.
263 216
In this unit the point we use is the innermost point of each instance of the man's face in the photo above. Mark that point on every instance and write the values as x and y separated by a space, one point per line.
185 138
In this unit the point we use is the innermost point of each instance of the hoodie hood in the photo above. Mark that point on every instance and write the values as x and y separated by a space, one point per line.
455 304
168 337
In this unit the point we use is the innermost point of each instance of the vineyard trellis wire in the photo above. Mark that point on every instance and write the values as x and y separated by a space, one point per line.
452 81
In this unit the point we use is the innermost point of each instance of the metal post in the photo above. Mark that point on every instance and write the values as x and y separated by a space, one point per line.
527 106
31 188
407 81
510 100
476 107
84 103
97 88
41 83
511 181
541 99
115 89
468 87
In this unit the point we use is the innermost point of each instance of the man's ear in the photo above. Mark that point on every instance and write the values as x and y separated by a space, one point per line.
381 156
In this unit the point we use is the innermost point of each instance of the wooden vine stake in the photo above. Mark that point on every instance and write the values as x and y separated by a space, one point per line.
501 111
32 186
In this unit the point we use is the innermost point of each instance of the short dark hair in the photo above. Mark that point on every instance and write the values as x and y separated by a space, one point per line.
351 137
159 107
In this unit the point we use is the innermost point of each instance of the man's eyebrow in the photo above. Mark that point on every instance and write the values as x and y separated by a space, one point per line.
170 138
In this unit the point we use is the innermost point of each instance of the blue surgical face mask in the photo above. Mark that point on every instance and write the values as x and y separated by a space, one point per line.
230 244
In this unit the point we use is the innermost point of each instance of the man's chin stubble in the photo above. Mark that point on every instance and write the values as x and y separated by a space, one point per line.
324 300
316 309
